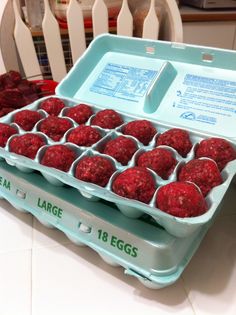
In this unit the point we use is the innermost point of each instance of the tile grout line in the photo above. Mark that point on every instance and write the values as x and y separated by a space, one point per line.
186 292
32 238
31 283
42 246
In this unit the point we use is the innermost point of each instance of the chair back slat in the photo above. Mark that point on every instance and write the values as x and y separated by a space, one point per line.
172 26
125 20
100 18
151 23
25 46
76 29
8 54
61 48
52 38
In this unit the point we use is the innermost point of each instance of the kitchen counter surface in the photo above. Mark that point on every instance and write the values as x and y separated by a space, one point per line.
42 272
191 14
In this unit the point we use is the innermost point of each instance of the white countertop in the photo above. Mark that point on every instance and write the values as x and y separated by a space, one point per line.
42 272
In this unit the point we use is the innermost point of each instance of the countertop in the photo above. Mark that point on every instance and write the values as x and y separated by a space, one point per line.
192 14
42 272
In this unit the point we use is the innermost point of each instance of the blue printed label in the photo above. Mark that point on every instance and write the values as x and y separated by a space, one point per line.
202 102
213 97
124 82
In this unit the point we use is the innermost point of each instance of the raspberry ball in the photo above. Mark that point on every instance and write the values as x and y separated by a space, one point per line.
135 183
95 169
55 127
84 136
27 144
143 130
107 119
6 110
121 148
80 113
159 160
27 119
6 131
52 105
58 156
219 150
204 173
176 138
181 199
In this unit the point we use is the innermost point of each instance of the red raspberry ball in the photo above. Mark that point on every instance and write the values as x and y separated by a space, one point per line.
84 136
10 79
95 169
219 150
159 160
55 127
6 131
80 113
121 148
6 110
58 156
204 173
27 144
107 119
135 183
177 139
27 119
52 105
181 199
143 130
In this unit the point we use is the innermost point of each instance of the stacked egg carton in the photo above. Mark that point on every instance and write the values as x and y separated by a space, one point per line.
184 232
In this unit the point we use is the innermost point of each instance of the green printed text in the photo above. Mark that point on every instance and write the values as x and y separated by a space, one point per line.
118 243
5 183
50 208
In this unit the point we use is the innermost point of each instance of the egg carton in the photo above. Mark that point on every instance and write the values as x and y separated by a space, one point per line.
180 227
171 85
142 247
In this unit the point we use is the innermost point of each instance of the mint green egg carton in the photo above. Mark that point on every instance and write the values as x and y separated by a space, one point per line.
142 247
169 84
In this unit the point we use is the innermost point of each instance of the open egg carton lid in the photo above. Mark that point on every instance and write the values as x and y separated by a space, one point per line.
193 87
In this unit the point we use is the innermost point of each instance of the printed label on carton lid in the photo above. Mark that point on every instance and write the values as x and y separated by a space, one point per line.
202 103
124 82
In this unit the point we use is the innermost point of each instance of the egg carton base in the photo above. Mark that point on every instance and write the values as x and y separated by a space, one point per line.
142 247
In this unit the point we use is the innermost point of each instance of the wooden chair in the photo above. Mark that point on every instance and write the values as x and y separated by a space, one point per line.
17 46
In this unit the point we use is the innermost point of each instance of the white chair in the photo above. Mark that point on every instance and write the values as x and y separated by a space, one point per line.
17 47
